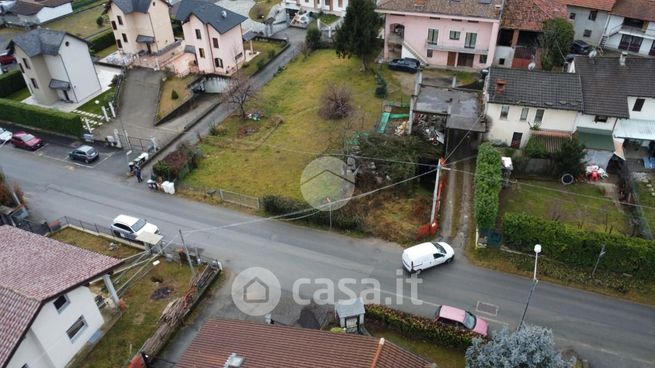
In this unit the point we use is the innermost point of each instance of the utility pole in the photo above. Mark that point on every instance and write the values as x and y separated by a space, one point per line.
600 255
188 257
436 192
525 310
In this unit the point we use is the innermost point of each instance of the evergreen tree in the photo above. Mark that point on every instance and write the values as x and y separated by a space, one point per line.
358 35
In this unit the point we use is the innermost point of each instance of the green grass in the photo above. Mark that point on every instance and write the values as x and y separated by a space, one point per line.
581 205
106 52
94 243
647 200
327 19
179 85
444 357
104 98
82 24
263 48
260 10
19 95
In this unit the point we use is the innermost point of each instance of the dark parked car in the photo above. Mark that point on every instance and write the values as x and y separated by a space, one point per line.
84 153
405 65
7 59
26 141
580 47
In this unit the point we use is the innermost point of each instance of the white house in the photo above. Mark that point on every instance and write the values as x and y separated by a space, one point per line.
56 66
337 7
31 12
141 25
47 312
520 103
631 27
589 17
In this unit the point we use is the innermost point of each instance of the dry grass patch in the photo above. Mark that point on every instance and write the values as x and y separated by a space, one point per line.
94 243
179 85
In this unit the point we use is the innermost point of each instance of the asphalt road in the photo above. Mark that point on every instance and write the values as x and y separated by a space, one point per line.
606 331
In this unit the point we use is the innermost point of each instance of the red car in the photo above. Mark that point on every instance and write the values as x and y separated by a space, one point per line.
461 319
26 141
7 59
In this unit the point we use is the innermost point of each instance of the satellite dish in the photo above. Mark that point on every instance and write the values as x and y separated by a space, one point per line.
593 53
532 65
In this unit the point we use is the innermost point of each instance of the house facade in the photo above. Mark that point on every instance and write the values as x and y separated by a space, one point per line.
521 103
631 28
56 66
337 7
213 34
590 18
140 25
51 313
34 12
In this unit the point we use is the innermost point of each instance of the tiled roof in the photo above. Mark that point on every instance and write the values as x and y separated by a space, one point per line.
606 84
529 15
275 346
464 8
31 7
638 9
535 88
605 5
33 270
40 41
208 13
131 6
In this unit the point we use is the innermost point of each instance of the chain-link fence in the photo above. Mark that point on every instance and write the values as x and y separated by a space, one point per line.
224 196
88 226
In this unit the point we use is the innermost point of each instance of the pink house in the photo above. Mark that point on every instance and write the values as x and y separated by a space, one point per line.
456 33
213 34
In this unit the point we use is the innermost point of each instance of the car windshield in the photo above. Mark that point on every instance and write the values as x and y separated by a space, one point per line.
439 248
91 151
139 225
27 137
469 320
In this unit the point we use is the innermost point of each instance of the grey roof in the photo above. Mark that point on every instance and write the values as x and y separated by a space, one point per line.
208 13
248 36
59 84
144 39
132 6
30 7
462 107
535 88
606 84
190 49
40 41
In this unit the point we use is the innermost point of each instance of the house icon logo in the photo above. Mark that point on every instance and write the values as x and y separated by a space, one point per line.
327 183
256 291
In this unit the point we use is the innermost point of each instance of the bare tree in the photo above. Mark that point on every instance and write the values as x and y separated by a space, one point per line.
304 49
336 101
239 92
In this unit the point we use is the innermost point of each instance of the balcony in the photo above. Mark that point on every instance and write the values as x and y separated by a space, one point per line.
636 31
436 47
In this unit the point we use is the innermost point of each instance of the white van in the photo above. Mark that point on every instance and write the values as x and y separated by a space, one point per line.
426 255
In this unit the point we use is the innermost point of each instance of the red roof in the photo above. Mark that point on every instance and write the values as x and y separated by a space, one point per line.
34 269
638 9
275 346
605 5
529 15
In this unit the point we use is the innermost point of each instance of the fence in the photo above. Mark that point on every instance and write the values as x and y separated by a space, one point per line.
87 226
33 227
224 195
137 144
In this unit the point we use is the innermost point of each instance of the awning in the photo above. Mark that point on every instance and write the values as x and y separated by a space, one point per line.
552 140
144 39
59 84
190 49
596 139
248 36
635 129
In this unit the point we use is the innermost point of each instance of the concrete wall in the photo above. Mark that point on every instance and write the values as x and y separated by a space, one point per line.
503 52
155 23
647 111
230 45
74 64
39 71
161 22
49 345
582 23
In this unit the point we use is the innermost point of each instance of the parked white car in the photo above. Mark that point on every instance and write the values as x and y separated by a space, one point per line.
130 227
5 136
426 255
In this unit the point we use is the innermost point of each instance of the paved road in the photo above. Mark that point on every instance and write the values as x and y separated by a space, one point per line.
608 332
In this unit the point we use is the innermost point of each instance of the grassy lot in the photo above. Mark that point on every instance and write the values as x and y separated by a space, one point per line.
104 99
582 205
327 19
19 95
82 24
95 243
647 200
167 103
260 10
444 357
106 52
264 48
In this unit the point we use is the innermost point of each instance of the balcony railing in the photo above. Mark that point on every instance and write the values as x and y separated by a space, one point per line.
636 31
436 47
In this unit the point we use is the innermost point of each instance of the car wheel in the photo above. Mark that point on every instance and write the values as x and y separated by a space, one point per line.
450 259
418 272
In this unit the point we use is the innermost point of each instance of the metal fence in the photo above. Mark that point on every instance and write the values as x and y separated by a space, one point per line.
137 144
88 226
225 196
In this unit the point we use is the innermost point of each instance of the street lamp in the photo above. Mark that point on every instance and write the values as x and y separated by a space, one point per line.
537 250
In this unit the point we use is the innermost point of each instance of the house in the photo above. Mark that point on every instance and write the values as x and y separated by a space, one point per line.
619 100
442 32
522 24
56 66
521 103
589 17
231 343
213 34
631 27
34 12
47 312
337 7
141 25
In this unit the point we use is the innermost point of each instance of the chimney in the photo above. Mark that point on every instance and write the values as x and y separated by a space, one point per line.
224 14
622 58
500 85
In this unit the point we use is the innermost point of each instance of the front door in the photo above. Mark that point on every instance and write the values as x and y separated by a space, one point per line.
452 56
465 59
149 49
66 96
516 140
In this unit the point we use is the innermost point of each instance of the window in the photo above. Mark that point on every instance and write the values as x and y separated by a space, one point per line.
456 20
538 117
21 68
524 113
504 111
34 83
124 37
27 65
638 104
61 303
501 61
198 37
218 62
433 35
201 51
113 25
454 35
75 329
25 366
587 33
327 2
430 53
120 20
572 16
239 56
119 44
630 43
473 21
652 50
600 119
469 42
215 42
593 14
483 59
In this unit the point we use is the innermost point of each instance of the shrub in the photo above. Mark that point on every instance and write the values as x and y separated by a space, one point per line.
341 219
174 95
116 79
336 102
271 53
100 21
419 327
580 248
261 63
102 41
11 82
177 164
487 186
570 157
216 129
536 149
381 86
41 118
313 37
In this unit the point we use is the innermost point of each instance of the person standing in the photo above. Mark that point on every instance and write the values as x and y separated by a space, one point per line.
137 172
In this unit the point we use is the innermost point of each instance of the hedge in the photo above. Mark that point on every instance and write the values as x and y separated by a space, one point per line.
38 117
487 186
11 82
341 219
420 328
102 41
178 164
575 247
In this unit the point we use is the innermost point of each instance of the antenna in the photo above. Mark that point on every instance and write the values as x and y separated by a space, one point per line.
532 65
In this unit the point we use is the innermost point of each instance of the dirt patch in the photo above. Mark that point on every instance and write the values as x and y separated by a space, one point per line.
138 319
161 293
245 131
